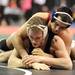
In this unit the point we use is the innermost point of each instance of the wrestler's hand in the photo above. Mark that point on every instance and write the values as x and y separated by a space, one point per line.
40 66
40 52
32 59
23 62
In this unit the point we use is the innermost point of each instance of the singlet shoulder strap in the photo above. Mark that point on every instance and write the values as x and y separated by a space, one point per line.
30 47
50 37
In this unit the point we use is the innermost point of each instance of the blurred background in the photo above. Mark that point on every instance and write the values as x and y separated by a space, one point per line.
13 13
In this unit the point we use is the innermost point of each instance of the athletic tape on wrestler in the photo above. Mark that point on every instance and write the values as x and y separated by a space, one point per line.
39 66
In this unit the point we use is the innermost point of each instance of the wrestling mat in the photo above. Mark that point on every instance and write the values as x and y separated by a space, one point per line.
17 71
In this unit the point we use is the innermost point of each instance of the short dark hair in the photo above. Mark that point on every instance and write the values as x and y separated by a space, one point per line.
65 9
65 18
65 13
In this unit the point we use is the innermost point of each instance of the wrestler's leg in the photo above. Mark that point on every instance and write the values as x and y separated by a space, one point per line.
5 52
14 60
73 53
4 56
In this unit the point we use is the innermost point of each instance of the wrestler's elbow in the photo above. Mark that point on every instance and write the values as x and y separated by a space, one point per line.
10 39
69 65
15 36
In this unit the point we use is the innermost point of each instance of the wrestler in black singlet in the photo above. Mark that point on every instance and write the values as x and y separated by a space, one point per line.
36 20
3 45
48 44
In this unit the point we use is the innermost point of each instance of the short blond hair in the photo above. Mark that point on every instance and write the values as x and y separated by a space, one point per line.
36 28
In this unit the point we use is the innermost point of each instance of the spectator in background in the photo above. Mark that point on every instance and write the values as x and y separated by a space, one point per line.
12 11
26 6
73 8
63 3
3 4
70 3
36 6
50 4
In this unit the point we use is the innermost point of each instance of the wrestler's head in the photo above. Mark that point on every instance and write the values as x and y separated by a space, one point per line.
61 19
37 34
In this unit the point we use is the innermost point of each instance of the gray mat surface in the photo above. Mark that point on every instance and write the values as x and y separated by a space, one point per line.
7 71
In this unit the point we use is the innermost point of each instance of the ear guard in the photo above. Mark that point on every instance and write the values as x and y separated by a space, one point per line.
55 15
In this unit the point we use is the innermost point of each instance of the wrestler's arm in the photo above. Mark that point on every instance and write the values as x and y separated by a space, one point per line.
43 15
4 56
14 60
63 59
16 38
67 37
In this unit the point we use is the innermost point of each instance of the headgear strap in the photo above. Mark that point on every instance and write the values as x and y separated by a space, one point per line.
54 16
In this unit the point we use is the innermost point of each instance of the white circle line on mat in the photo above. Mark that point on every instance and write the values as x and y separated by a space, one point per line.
27 72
